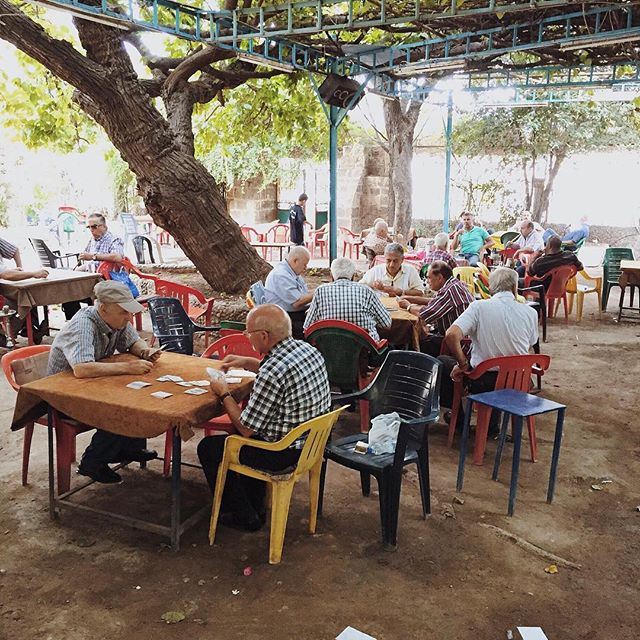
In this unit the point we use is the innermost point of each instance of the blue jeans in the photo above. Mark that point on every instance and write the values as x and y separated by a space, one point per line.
471 258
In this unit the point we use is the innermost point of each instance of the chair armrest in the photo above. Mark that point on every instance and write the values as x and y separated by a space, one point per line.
348 396
432 417
199 327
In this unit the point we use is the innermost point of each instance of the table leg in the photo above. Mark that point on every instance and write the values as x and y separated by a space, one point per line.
515 466
557 441
52 505
176 459
463 445
29 328
501 441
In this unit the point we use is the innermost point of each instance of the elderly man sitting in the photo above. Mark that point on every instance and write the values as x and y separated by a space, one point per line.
376 241
348 300
291 387
95 333
528 242
499 326
286 288
394 277
439 251
451 299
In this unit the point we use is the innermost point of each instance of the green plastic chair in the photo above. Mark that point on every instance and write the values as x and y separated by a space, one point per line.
574 248
611 270
509 236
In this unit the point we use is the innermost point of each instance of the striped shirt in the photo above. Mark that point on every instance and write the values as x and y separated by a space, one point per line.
439 254
87 338
291 387
7 250
349 301
448 303
107 243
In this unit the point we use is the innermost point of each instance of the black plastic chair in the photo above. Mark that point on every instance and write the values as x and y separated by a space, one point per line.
172 327
409 383
49 259
538 304
139 247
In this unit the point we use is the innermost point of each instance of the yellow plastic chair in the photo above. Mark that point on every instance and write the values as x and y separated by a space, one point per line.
578 285
465 274
281 484
483 269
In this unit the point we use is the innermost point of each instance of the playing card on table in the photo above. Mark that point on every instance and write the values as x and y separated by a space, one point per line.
195 391
231 380
200 383
138 384
184 383
161 394
241 373
215 374
173 378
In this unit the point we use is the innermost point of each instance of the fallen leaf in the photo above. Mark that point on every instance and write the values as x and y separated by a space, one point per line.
552 568
448 511
171 617
458 500
597 487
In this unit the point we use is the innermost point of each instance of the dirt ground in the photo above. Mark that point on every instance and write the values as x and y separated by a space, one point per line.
450 578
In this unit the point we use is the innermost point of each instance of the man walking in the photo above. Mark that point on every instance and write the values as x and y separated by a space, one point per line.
297 219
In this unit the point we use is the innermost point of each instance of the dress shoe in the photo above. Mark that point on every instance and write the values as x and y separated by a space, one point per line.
102 474
141 455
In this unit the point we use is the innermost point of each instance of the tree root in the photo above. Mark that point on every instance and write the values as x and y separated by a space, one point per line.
531 548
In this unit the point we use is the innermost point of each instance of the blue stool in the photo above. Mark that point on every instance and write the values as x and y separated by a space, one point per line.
520 405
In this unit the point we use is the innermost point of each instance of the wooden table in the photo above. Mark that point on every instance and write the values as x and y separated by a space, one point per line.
62 285
630 277
405 327
106 403
272 245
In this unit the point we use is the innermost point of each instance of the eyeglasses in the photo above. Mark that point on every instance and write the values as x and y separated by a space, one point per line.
93 226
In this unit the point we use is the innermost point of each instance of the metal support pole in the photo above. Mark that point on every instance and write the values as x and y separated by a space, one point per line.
333 182
447 175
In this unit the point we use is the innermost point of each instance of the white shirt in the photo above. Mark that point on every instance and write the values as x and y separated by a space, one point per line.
499 326
533 241
407 278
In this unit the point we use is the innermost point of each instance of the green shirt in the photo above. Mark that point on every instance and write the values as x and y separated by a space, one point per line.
472 241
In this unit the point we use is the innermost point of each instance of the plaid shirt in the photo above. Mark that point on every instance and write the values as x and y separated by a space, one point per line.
349 301
439 254
448 303
87 338
108 243
7 250
291 387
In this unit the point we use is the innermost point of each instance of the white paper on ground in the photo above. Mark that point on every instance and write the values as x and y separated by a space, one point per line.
532 633
353 634
161 394
138 384
241 373
231 380
194 391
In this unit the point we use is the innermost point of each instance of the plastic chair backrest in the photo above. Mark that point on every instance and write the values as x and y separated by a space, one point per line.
514 372
250 234
348 235
129 224
106 266
45 255
465 274
509 236
168 318
257 292
483 269
611 262
278 233
343 346
20 354
236 344
560 276
180 291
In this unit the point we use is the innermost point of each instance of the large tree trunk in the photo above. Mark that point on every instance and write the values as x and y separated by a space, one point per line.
180 194
401 117
540 209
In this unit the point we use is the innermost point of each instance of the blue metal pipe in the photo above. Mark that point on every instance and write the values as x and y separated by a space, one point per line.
447 173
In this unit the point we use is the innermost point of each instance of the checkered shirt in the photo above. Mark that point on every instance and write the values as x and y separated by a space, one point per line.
439 254
291 387
87 338
108 243
349 301
448 303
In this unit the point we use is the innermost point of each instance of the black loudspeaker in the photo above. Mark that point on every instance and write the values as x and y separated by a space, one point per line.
338 91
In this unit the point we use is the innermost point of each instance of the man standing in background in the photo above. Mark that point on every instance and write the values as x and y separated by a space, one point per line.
297 219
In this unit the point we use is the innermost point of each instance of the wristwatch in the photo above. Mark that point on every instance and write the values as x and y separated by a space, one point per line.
95 256
226 394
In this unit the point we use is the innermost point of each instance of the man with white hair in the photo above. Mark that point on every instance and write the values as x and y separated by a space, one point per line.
376 241
394 277
499 326
290 388
346 300
439 252
286 287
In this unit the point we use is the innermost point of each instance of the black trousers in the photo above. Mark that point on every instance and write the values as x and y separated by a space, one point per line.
431 345
243 496
106 447
485 382
71 308
297 322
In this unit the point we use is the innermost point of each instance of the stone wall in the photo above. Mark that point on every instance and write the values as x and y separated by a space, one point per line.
252 202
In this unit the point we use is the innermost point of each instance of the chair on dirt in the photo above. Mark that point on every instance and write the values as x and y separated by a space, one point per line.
611 271
318 240
236 344
513 372
580 285
407 383
140 243
350 241
556 290
52 259
172 327
315 433
351 356
26 365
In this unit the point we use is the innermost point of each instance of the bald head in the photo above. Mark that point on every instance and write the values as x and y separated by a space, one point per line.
271 319
298 259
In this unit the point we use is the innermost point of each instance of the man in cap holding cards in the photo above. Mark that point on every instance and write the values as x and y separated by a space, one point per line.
93 334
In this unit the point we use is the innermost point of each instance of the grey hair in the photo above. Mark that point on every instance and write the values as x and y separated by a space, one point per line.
381 224
298 252
503 279
343 268
441 240
97 216
394 247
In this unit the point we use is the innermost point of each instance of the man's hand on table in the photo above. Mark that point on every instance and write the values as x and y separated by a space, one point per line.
412 300
139 367
240 362
41 273
85 256
219 386
150 355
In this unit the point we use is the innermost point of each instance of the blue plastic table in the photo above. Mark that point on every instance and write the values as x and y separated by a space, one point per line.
520 405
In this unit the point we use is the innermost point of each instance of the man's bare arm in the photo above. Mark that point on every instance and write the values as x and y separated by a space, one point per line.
98 369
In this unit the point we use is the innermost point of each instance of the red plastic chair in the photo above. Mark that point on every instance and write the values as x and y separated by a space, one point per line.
318 240
66 430
350 241
557 289
514 372
236 344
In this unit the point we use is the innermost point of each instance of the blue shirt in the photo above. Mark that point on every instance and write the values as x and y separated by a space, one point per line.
472 241
283 287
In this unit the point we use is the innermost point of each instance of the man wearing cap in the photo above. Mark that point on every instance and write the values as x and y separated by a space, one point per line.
93 334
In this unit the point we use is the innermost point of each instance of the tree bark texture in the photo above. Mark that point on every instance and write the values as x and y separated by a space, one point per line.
179 193
401 117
